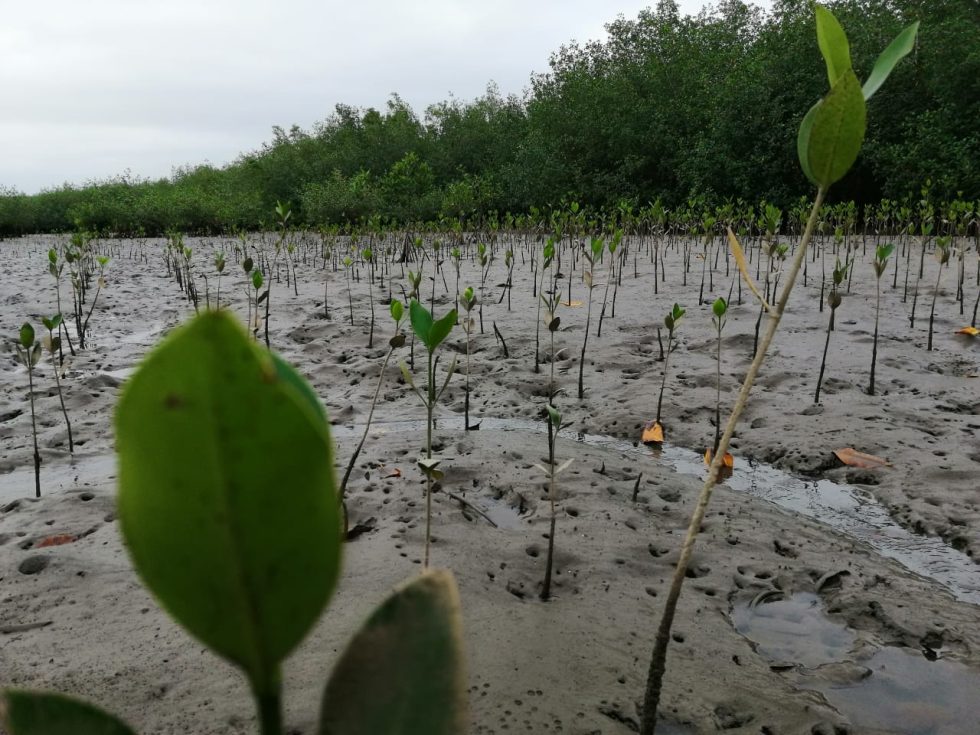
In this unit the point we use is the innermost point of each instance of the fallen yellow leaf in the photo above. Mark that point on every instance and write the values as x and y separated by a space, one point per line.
972 331
728 460
853 458
653 433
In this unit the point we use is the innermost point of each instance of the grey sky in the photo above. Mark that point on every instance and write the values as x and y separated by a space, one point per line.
92 89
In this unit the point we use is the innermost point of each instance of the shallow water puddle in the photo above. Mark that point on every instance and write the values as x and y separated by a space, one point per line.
894 690
844 508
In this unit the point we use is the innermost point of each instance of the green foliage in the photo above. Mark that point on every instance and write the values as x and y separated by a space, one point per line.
402 672
26 335
832 132
833 44
654 112
719 308
246 570
431 332
672 319
897 50
37 713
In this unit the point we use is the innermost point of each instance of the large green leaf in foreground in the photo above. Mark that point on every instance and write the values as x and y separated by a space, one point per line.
402 674
38 713
832 132
227 494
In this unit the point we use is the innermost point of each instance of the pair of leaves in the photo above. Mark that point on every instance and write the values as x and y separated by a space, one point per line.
832 132
430 331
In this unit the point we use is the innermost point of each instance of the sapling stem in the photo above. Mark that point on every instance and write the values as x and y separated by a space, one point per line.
587 276
29 351
881 263
54 344
398 340
942 255
554 426
658 660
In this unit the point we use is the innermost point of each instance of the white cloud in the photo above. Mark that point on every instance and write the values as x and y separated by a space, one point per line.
92 89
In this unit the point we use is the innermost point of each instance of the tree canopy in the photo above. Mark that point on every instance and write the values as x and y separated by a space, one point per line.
667 107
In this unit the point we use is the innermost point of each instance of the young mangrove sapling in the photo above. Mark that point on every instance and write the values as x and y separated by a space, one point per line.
53 345
882 253
397 340
552 472
828 143
29 352
468 300
833 301
431 332
594 254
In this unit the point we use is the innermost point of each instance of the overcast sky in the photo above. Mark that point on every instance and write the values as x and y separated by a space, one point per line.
91 89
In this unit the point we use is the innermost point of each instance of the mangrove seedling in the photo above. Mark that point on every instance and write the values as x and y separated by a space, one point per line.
719 309
368 256
29 352
56 267
348 264
882 253
209 429
432 333
547 257
828 143
468 301
942 255
485 259
53 345
670 321
610 276
596 246
102 262
552 472
397 340
257 281
833 301
219 265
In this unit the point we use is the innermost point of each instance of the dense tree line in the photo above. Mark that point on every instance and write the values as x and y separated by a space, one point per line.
667 107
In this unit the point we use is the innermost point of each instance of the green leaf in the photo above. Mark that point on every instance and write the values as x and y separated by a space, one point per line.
288 374
833 44
421 322
227 494
402 674
441 329
719 307
837 131
803 140
26 335
397 310
897 50
41 713
553 416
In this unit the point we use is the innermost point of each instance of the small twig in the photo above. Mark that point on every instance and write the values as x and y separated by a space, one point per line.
24 627
472 507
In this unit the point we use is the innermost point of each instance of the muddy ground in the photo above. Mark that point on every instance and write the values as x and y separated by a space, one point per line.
75 617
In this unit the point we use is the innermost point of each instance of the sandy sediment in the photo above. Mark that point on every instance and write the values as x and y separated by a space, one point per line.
76 618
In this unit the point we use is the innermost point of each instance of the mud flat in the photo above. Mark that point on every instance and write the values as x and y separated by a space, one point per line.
867 577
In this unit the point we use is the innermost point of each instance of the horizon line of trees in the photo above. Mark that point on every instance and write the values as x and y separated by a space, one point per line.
668 108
